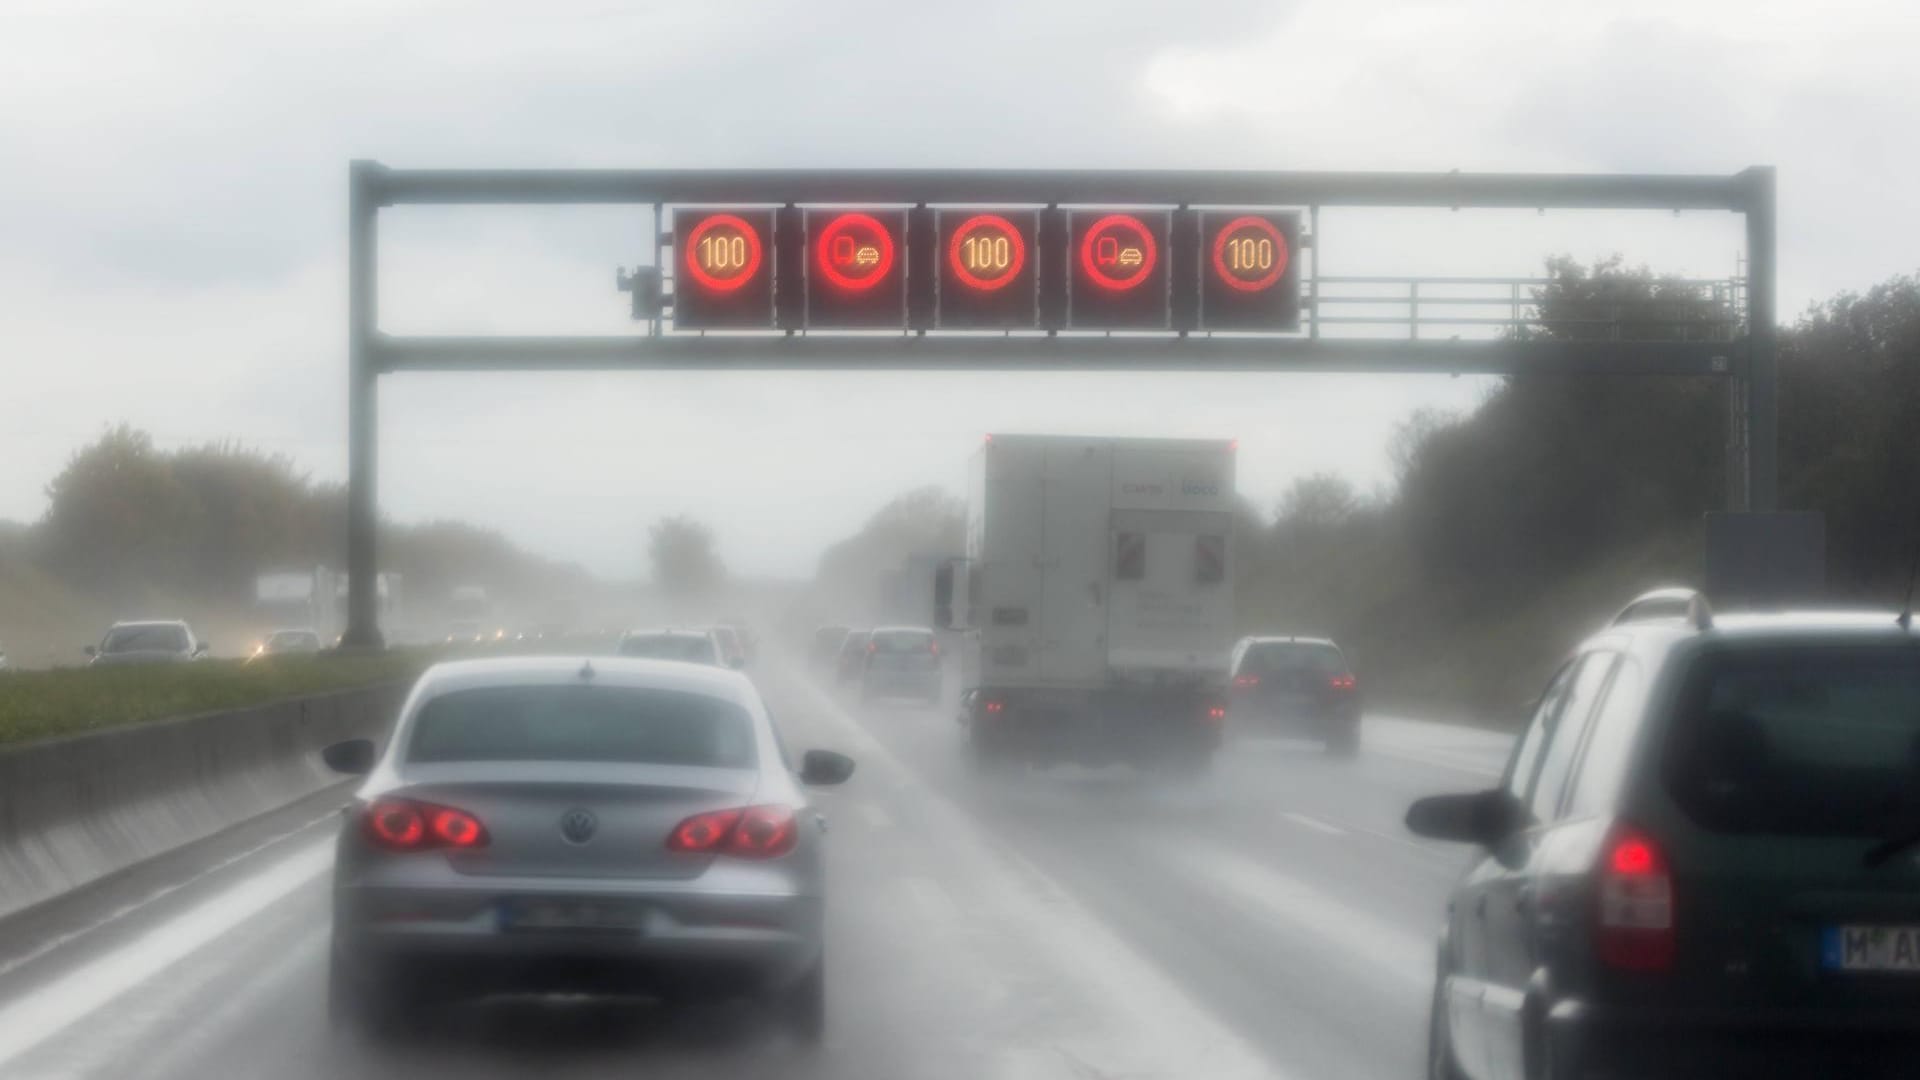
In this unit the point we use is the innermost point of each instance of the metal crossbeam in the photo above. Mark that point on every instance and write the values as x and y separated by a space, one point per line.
1035 353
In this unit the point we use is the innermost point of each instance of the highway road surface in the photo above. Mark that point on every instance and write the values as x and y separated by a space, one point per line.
1273 919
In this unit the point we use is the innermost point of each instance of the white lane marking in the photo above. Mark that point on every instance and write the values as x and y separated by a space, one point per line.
877 817
63 1002
1313 823
1346 931
134 1034
1142 1023
60 940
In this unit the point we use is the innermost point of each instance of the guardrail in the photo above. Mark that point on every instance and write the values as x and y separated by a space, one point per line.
75 810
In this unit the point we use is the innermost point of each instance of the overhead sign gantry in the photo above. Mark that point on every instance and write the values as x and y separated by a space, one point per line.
1023 270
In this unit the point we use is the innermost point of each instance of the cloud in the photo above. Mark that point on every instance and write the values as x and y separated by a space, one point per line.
176 202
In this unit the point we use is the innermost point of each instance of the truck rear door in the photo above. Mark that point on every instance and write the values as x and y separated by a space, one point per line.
1073 614
1172 603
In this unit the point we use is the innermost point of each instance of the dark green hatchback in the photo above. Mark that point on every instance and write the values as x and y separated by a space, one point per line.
1703 860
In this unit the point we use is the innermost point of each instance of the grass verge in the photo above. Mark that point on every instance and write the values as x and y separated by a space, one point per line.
70 701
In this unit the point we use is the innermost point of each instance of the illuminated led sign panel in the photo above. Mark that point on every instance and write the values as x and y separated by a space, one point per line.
985 268
723 269
1249 272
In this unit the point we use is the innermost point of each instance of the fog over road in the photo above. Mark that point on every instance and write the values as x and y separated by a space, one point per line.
1272 919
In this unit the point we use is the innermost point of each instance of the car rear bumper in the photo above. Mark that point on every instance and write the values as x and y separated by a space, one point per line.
906 683
1257 713
1605 1042
463 940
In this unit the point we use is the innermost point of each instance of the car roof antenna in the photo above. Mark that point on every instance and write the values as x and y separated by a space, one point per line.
1906 607
586 669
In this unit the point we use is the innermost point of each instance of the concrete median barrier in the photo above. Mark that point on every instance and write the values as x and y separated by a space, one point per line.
75 810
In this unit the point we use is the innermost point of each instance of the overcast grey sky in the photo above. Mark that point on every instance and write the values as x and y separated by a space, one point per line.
174 195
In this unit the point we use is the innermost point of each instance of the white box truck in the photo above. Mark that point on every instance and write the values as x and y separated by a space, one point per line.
1097 599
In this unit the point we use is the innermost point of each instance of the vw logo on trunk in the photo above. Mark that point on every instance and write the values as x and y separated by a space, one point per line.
578 826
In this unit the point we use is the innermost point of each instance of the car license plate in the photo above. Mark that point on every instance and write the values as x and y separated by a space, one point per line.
564 914
1871 948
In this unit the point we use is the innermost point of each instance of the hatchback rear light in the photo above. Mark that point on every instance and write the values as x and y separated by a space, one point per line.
408 825
1344 682
1636 904
1246 680
753 832
996 706
1216 713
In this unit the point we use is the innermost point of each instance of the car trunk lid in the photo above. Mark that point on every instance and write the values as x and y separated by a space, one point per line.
577 819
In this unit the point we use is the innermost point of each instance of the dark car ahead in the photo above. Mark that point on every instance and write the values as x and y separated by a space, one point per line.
902 662
1701 861
1297 685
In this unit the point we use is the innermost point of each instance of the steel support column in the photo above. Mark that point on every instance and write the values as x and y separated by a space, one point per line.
1762 381
363 420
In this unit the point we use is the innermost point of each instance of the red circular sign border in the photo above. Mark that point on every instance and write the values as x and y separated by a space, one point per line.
834 228
754 253
968 277
1100 278
1280 263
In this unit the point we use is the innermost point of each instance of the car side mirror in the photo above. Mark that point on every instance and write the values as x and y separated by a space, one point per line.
1485 817
354 757
824 768
91 651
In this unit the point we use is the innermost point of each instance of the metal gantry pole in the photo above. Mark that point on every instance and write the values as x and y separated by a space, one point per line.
1763 387
363 421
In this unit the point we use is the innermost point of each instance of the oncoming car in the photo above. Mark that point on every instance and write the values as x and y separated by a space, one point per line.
159 641
550 824
282 642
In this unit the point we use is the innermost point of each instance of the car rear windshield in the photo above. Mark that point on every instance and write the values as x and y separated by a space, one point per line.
1277 658
668 647
902 641
1807 741
157 638
583 723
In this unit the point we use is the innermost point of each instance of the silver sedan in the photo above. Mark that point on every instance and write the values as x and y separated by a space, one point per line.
551 824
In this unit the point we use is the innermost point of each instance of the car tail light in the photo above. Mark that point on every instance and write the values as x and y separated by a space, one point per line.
1244 681
407 825
703 832
933 647
763 833
1216 713
1344 682
996 707
456 828
1636 904
872 648
753 832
